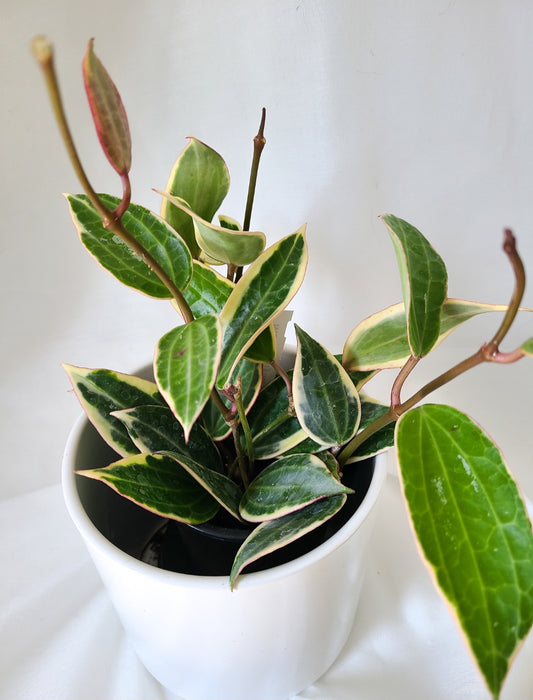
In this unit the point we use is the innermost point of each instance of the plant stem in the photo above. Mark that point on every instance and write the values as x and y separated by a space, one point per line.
126 196
227 414
259 144
509 247
245 425
44 54
460 368
400 380
241 459
348 450
489 352
283 374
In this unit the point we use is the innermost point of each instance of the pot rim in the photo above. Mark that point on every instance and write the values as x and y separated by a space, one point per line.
95 539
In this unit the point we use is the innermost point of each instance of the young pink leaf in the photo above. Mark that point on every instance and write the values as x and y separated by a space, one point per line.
108 112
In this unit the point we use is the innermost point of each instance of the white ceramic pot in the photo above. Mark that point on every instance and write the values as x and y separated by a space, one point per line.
270 638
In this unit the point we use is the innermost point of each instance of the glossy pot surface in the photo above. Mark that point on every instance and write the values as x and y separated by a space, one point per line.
274 635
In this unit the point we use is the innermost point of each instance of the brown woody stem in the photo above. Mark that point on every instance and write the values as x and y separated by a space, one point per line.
259 144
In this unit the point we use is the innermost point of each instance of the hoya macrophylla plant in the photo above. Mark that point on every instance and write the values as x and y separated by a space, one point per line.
209 435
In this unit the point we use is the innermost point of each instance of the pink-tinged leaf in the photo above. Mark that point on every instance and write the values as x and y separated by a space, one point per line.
108 112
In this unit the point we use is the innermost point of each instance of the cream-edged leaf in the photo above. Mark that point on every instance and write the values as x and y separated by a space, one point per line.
380 341
185 367
259 296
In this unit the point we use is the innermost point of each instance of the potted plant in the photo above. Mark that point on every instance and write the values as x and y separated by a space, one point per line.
263 467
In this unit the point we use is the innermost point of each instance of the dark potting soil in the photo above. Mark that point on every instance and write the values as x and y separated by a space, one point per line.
209 549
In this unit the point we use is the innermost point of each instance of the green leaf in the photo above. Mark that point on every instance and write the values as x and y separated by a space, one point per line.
185 366
286 485
108 112
101 392
424 281
331 463
221 244
326 401
259 296
251 375
359 379
229 246
380 341
157 237
156 429
527 347
219 486
273 429
263 349
307 446
381 440
201 178
273 534
158 484
473 530
371 410
229 222
207 291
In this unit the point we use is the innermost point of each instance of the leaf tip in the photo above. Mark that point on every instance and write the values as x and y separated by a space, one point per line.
69 369
90 48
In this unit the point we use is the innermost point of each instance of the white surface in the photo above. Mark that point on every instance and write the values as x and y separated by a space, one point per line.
423 109
61 639
295 617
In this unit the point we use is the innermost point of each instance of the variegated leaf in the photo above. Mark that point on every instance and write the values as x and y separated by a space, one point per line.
274 534
154 234
219 486
229 222
199 177
286 485
326 401
222 244
261 294
101 392
185 367
208 291
380 341
159 485
424 283
274 430
156 429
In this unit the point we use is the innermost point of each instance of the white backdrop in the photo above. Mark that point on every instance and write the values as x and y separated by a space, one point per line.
422 109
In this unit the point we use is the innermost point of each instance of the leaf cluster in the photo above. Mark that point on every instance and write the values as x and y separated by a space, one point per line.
210 434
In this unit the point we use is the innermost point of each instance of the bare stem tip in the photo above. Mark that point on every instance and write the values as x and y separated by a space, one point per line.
42 49
260 140
509 241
